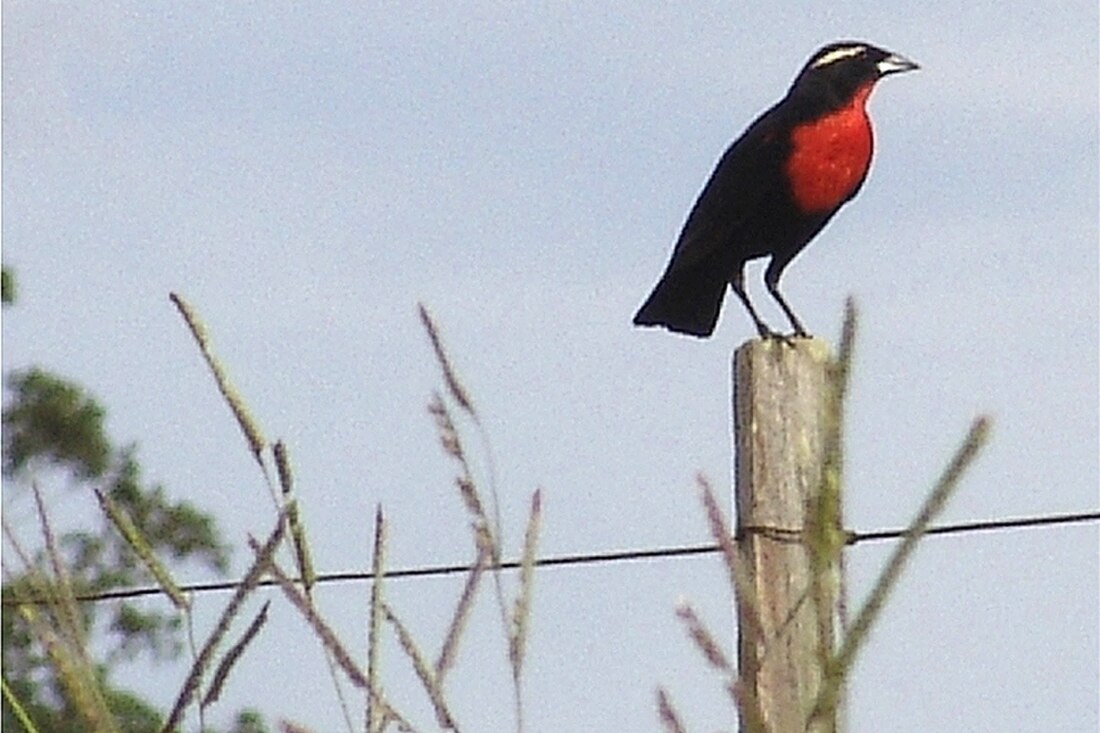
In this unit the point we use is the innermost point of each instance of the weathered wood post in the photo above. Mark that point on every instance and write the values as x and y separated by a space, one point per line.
787 601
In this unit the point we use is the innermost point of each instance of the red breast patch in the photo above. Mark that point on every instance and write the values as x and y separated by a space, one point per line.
830 156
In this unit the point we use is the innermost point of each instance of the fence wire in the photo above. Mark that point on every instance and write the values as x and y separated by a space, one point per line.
589 558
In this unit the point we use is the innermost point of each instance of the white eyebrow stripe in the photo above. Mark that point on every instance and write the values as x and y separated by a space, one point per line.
837 54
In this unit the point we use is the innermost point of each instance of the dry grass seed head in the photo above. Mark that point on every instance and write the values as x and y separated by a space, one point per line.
426 674
448 433
375 705
251 579
323 631
458 392
735 567
522 610
248 425
141 547
231 656
282 466
462 612
703 638
669 719
63 601
470 497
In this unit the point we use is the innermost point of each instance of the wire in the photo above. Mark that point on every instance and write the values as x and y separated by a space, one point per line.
589 558
982 526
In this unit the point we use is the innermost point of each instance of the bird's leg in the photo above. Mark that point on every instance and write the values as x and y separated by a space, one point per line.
771 280
737 282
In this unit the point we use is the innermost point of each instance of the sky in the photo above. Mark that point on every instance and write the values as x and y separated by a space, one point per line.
304 174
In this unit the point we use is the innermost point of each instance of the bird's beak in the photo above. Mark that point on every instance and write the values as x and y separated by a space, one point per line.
895 64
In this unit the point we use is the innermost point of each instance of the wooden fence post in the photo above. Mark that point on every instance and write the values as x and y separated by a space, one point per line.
786 613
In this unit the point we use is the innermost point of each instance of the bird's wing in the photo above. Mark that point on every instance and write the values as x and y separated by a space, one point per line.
748 174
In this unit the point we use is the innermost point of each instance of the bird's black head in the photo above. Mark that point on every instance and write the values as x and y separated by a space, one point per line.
847 65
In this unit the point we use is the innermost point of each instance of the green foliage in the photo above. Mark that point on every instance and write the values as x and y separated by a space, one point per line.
249 721
55 421
52 425
7 286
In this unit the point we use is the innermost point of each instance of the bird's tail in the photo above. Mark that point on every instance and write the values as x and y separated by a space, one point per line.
686 300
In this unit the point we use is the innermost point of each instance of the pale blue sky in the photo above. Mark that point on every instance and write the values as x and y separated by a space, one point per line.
304 176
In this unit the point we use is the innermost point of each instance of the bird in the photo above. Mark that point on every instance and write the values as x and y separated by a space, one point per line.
773 190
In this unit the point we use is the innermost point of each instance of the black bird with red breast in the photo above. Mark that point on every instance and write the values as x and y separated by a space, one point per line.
774 189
